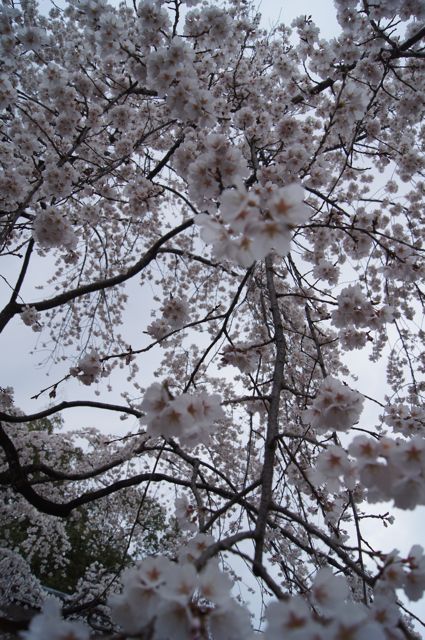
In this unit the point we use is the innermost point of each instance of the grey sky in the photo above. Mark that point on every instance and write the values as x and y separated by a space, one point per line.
322 12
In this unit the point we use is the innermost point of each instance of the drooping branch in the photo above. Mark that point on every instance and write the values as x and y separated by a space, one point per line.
13 308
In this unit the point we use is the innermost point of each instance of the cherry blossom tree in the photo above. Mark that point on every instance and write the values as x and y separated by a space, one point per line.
206 224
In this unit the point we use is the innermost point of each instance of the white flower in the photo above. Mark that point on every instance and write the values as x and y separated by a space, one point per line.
267 235
410 456
134 609
252 233
328 591
353 308
195 547
414 584
31 317
350 338
404 419
6 398
32 38
365 449
408 492
7 92
230 623
239 207
173 421
287 207
151 572
174 311
139 601
239 250
181 582
211 407
352 620
52 229
156 398
185 514
88 369
214 585
158 328
331 465
174 621
49 625
171 601
290 620
336 407
325 270
384 609
190 418
393 574
212 231
353 101
400 477
221 164
241 356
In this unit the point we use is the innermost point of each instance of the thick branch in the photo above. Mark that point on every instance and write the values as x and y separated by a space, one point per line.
19 419
272 422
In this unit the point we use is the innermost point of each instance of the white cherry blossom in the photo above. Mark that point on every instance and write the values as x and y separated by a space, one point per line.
328 592
183 188
336 407
50 625
89 368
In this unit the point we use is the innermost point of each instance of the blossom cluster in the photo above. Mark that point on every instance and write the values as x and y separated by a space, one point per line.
253 223
88 369
405 266
405 573
52 229
216 166
391 7
31 317
336 407
406 420
49 625
142 194
391 469
6 398
341 617
171 71
175 601
355 311
17 580
174 315
333 467
242 356
185 514
325 270
188 417
354 308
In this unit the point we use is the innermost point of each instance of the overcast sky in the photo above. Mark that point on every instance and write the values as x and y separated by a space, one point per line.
322 12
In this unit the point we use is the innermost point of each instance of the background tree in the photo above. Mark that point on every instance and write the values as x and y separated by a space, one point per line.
96 536
260 194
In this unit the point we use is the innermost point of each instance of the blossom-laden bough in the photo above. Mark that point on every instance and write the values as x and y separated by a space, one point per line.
207 225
